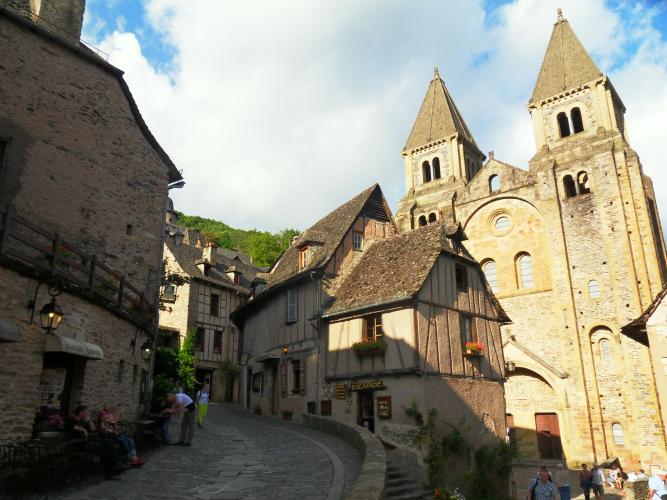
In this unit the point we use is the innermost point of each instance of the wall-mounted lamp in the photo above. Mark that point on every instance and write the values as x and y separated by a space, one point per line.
146 350
244 358
51 314
510 366
285 349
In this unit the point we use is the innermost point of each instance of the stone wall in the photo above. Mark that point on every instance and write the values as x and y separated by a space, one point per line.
78 163
116 379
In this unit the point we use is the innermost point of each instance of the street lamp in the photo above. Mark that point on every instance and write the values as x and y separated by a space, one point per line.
50 315
146 350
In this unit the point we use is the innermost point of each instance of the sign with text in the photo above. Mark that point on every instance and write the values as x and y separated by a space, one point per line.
367 386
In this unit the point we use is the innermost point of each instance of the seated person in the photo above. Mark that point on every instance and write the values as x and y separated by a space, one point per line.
109 429
81 426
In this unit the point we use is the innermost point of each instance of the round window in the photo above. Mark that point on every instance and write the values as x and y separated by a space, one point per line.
503 223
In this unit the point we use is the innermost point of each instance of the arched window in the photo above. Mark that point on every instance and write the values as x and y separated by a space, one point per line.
432 217
525 270
436 168
577 122
593 289
563 124
605 353
426 172
489 268
422 220
569 186
582 183
617 432
494 183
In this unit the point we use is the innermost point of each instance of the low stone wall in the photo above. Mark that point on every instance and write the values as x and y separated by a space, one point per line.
370 485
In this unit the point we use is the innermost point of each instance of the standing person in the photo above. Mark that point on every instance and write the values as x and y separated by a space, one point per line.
585 481
542 488
183 403
656 486
597 482
202 403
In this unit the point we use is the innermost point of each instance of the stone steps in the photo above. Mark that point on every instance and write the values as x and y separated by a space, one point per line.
400 486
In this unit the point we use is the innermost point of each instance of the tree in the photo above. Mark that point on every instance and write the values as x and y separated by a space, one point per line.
186 362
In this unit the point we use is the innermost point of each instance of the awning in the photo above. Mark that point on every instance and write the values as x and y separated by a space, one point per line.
9 331
58 343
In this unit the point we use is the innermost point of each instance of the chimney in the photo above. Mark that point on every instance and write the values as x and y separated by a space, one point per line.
63 18
208 253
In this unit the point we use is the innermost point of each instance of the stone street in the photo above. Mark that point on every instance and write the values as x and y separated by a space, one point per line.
238 456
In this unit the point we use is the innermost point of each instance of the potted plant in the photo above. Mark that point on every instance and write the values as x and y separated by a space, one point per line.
369 347
287 414
258 409
474 348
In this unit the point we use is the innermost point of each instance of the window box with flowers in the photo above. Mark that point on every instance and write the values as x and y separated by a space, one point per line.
474 349
369 347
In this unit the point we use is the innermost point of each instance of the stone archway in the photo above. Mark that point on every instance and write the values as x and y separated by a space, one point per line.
536 414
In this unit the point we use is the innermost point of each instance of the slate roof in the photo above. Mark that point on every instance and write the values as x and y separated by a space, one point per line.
396 268
566 63
325 235
438 118
187 257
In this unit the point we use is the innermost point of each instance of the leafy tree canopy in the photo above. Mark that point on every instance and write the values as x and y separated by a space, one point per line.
263 247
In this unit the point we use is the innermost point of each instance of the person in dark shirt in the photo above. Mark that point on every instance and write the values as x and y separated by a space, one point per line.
80 425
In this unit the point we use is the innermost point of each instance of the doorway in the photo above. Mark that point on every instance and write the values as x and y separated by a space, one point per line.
365 413
548 436
275 390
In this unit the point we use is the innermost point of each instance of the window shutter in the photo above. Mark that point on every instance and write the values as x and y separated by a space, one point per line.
302 384
283 379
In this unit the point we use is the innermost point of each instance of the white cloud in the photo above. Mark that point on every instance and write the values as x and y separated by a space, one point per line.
280 111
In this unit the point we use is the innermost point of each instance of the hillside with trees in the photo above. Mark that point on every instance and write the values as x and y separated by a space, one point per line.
262 246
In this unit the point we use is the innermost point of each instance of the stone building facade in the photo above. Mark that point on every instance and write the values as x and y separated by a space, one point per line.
83 190
219 282
572 247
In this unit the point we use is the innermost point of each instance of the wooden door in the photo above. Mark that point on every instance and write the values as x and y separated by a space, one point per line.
548 436
365 415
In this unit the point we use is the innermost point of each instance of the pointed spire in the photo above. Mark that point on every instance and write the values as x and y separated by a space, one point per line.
438 117
566 63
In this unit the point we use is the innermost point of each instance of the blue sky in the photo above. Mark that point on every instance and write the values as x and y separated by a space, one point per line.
298 105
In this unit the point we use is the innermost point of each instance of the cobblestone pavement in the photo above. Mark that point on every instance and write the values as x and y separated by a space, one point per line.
239 456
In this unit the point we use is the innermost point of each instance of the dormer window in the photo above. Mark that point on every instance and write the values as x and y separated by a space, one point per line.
373 328
357 241
304 257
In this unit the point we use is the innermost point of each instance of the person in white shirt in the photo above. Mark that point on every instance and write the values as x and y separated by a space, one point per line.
202 404
656 485
183 403
597 482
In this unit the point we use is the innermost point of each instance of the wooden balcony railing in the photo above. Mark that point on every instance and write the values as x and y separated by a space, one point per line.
41 254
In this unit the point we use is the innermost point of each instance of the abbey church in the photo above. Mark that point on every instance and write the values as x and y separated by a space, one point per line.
572 248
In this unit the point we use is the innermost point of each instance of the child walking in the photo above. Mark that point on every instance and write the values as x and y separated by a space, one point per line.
202 404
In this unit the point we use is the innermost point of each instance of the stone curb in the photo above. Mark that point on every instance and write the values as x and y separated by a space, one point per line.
371 483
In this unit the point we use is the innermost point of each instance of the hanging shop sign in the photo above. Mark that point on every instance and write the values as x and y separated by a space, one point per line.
367 386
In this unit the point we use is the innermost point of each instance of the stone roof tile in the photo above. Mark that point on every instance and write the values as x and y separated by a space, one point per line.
566 63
